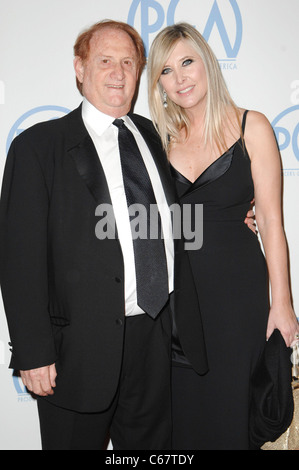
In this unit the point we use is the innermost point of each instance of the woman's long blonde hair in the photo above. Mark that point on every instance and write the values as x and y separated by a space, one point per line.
171 120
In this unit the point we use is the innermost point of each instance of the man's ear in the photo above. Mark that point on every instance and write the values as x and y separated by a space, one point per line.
79 68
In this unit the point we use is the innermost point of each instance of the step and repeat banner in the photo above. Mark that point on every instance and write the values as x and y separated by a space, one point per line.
256 43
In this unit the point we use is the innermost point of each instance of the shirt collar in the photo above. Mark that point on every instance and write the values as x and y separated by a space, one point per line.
99 121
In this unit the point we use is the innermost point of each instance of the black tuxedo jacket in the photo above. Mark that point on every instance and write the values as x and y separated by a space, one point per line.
62 287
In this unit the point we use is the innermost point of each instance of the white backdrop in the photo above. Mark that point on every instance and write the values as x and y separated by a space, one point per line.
256 42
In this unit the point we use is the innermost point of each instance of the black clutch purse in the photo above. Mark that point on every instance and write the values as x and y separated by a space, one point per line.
272 403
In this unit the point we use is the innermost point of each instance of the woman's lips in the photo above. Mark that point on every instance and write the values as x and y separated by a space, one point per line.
186 90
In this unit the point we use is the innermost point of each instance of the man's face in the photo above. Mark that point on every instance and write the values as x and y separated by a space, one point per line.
109 74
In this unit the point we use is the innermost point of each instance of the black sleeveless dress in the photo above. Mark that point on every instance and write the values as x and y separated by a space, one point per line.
210 412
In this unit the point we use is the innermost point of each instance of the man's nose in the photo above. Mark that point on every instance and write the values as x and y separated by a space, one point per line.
118 71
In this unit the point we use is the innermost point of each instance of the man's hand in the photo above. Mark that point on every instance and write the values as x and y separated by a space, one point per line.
40 381
250 219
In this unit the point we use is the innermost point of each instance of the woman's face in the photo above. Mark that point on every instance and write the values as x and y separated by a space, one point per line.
184 77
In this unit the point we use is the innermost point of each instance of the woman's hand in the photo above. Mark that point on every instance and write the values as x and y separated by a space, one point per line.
284 319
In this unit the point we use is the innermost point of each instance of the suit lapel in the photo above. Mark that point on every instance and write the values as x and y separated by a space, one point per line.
84 155
91 171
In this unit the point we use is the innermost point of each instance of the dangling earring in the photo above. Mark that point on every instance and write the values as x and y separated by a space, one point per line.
165 104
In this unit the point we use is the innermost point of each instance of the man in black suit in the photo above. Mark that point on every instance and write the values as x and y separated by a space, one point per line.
97 360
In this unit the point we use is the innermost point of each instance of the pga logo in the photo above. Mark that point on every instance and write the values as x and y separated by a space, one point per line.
150 16
286 128
34 116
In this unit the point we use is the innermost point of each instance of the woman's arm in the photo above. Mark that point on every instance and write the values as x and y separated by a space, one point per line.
266 173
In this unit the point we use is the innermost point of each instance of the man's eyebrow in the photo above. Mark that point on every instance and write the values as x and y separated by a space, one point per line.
111 56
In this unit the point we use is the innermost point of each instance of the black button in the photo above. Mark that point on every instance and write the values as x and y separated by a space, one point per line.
118 280
119 322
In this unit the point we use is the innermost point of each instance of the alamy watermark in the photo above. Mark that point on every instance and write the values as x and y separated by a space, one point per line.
187 223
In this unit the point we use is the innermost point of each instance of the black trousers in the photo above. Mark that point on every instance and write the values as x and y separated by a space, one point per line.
140 414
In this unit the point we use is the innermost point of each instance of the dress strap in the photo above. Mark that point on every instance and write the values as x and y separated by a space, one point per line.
244 120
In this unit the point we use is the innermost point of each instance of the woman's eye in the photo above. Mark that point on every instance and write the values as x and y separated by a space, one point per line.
165 71
187 62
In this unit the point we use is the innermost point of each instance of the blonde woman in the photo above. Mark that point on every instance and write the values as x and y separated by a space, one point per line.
221 156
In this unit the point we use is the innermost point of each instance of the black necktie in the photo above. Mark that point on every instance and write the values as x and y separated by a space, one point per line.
149 252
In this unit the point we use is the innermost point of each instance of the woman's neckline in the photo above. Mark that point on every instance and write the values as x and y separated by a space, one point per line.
209 166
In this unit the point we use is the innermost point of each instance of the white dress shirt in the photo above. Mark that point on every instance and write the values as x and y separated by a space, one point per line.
105 138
